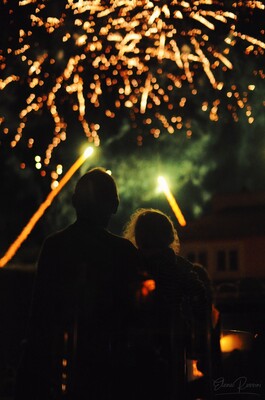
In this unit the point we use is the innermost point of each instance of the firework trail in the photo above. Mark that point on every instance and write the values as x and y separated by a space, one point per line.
43 207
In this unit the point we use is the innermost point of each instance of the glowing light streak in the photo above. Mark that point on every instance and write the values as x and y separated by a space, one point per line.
171 200
224 60
251 40
147 89
9 79
205 62
202 20
38 214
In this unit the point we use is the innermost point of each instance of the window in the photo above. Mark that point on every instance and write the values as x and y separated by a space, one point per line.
191 257
221 260
227 260
202 259
233 260
198 257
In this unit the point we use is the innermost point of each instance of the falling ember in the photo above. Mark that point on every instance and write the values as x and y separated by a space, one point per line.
38 214
171 200
133 56
146 91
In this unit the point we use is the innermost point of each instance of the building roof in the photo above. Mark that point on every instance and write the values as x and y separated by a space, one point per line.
233 216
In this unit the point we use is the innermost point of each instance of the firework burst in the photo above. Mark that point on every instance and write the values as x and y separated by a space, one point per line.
143 59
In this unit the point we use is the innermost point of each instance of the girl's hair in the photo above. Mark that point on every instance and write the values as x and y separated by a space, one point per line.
150 228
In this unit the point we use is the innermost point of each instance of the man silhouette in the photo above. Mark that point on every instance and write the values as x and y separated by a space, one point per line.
77 344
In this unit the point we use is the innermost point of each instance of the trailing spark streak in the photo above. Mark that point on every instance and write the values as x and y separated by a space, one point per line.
171 200
43 207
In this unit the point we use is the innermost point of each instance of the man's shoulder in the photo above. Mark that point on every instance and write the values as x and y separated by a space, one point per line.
58 240
116 238
73 233
60 234
119 241
184 263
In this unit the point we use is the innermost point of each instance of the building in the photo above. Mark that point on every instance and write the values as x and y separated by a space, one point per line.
230 241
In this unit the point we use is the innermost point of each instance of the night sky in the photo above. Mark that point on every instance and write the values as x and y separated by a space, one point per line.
196 118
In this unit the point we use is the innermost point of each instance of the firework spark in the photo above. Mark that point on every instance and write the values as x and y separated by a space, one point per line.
133 57
171 200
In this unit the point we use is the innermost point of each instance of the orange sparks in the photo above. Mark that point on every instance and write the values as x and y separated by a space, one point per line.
140 56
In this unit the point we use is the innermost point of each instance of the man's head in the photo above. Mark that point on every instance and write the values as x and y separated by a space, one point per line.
96 196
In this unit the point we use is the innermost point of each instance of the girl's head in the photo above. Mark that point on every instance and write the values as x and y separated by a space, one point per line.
149 228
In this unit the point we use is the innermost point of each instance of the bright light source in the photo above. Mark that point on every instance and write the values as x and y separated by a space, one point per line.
162 183
236 340
88 151
171 200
